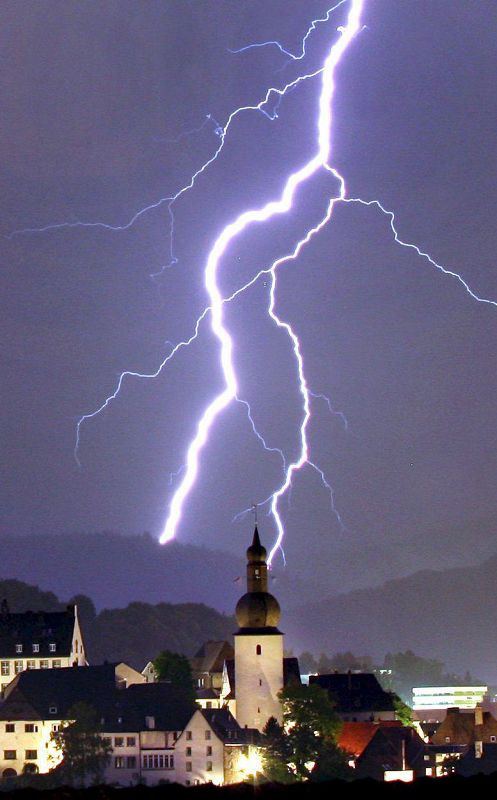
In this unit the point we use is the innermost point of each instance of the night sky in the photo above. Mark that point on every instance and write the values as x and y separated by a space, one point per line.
104 112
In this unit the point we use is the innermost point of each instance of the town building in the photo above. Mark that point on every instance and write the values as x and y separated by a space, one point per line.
358 696
39 640
430 703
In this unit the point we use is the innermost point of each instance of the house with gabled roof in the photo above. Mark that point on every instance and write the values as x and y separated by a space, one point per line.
213 748
39 640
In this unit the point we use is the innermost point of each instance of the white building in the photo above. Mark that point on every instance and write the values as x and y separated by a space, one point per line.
440 698
38 640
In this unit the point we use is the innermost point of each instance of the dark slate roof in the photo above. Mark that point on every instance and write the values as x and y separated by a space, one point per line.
36 692
355 692
387 749
127 709
45 689
470 765
207 694
36 627
227 728
291 671
211 656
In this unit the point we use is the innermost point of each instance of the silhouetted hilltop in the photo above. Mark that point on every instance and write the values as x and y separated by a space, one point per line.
450 615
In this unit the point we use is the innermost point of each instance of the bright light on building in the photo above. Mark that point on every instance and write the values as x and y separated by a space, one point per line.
443 697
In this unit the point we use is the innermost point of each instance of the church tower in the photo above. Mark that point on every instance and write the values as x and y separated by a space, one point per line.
258 646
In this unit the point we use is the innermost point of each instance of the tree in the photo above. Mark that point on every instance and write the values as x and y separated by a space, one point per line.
276 753
306 742
403 712
85 752
176 669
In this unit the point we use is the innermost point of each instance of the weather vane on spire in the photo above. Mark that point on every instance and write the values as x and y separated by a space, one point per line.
254 509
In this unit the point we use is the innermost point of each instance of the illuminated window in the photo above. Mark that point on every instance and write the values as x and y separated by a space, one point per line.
44 663
5 668
209 766
188 736
18 667
36 648
119 762
56 663
52 647
119 741
18 648
31 664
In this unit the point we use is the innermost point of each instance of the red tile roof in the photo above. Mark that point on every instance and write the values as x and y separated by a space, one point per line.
355 736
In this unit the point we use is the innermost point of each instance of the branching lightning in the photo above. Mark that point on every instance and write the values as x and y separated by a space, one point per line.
214 311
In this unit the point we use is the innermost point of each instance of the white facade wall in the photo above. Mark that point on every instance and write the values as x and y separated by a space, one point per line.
199 754
258 678
21 740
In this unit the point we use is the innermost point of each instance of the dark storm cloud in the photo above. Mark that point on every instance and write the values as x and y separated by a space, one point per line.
94 98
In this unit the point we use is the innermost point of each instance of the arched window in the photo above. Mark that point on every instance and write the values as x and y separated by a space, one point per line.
9 773
258 650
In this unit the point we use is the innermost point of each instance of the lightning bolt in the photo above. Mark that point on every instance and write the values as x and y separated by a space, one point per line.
225 238
268 106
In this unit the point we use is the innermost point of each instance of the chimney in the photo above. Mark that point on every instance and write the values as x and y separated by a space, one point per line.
478 749
478 714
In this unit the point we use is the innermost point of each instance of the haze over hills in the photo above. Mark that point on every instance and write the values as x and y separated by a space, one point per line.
115 570
450 614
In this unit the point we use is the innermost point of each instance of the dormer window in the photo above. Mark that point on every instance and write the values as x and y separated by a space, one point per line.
52 647
52 710
18 648
36 648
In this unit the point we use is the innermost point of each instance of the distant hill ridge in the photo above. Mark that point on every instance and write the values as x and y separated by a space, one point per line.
449 614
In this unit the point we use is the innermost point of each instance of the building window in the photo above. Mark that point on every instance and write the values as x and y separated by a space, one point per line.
36 648
10 727
44 663
207 734
188 736
30 727
5 668
260 681
188 751
258 650
119 741
18 648
18 667
208 751
208 704
157 762
119 762
188 764
9 755
31 755
493 738
130 741
56 663
447 738
209 766
171 762
52 710
52 647
55 728
31 664
131 762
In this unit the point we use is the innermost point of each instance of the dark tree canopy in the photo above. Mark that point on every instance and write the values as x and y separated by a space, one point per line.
84 751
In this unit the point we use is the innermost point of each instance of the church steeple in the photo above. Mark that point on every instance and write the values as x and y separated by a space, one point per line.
257 608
